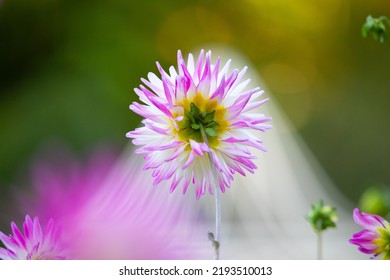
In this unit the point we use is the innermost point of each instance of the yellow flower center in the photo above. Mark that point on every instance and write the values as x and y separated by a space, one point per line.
383 242
203 118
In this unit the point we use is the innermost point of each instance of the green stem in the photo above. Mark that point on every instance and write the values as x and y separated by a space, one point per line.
319 245
217 220
217 238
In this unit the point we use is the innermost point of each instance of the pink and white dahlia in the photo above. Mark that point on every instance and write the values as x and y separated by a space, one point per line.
375 237
35 244
199 122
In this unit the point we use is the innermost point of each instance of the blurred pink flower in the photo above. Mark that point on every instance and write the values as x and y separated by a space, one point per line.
33 244
198 124
375 237
108 211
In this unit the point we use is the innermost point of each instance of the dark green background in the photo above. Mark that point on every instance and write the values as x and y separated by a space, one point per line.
68 69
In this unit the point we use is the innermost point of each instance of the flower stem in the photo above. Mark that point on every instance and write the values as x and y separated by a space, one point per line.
216 241
319 245
217 220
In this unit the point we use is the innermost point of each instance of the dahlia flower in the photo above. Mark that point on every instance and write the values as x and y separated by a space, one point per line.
34 244
375 237
106 210
198 124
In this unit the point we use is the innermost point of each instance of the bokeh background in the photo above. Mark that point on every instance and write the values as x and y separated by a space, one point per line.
68 69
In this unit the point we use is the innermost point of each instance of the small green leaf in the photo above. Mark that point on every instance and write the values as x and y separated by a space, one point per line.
365 30
212 124
210 131
194 110
190 117
209 117
383 36
195 126
216 244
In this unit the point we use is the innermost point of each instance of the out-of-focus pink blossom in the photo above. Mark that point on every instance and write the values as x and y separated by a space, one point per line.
108 210
33 243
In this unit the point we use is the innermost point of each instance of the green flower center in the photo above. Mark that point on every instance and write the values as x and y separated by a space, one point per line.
203 121
198 126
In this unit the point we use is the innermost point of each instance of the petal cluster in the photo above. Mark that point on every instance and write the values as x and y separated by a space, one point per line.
199 121
375 237
34 244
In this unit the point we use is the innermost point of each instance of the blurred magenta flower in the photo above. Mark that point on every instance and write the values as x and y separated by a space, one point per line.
107 211
33 244
375 238
196 119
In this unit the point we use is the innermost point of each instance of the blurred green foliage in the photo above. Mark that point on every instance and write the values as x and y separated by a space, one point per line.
377 27
376 200
67 70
